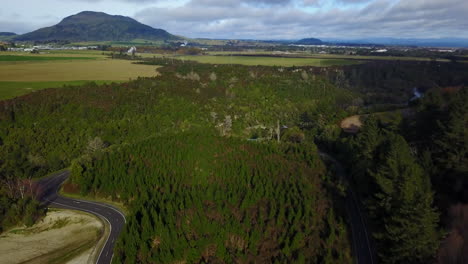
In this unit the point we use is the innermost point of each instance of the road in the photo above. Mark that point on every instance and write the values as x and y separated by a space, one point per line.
362 243
48 195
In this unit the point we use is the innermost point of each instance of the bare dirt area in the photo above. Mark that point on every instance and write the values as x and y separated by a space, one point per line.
351 124
63 236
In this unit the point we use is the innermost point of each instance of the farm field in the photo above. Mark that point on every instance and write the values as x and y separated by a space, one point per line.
81 247
267 61
322 56
13 89
18 58
21 77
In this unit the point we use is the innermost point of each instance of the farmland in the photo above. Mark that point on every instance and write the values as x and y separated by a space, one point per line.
22 74
16 58
267 61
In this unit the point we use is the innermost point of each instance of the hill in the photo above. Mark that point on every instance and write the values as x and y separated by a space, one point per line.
7 35
309 41
97 26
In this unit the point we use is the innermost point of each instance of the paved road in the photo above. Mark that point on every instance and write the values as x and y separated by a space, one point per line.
48 195
362 244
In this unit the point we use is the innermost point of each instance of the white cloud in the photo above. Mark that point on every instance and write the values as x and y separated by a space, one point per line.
269 19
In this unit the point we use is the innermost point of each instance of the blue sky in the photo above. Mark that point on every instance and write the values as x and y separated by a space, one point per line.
260 19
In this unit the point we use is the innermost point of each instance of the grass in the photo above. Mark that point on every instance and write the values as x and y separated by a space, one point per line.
267 61
325 56
98 199
14 58
75 70
21 78
10 90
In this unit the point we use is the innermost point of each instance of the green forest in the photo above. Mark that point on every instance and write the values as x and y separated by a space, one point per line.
219 163
202 198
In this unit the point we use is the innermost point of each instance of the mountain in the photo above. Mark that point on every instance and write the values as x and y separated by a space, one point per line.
309 41
97 26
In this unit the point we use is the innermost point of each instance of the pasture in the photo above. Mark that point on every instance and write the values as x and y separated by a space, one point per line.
308 55
18 58
21 77
267 61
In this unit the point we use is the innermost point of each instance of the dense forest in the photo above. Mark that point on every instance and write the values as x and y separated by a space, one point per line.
201 198
217 163
394 165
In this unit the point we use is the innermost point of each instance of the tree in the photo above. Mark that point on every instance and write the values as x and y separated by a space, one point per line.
293 135
404 202
95 145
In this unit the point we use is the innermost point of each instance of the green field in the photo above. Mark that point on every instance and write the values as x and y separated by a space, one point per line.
22 73
13 89
267 61
14 58
307 55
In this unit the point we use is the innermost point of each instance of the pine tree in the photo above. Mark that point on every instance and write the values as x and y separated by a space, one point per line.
404 202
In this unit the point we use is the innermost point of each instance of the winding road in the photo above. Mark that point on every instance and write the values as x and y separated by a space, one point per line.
364 250
116 220
362 244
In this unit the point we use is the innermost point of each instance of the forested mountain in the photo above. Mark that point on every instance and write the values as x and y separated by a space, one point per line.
97 26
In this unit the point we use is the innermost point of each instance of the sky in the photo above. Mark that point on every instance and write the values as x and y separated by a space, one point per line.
259 19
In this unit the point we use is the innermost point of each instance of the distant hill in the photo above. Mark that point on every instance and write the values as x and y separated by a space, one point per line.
427 42
7 35
309 41
97 26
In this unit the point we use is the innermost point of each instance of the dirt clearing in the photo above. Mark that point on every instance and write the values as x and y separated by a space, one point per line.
63 236
351 124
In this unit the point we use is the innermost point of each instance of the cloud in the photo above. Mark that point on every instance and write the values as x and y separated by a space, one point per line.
286 19
265 19
9 26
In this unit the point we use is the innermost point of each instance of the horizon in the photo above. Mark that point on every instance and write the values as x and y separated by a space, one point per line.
262 19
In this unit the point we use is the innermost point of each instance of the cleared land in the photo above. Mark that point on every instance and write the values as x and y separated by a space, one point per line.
63 236
18 78
14 58
351 124
76 70
303 55
267 61
13 89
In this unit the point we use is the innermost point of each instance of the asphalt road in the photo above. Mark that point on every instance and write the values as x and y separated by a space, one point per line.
362 243
48 188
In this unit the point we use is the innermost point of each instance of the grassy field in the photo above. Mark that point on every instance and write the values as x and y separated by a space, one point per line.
267 61
325 56
18 78
14 58
13 89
